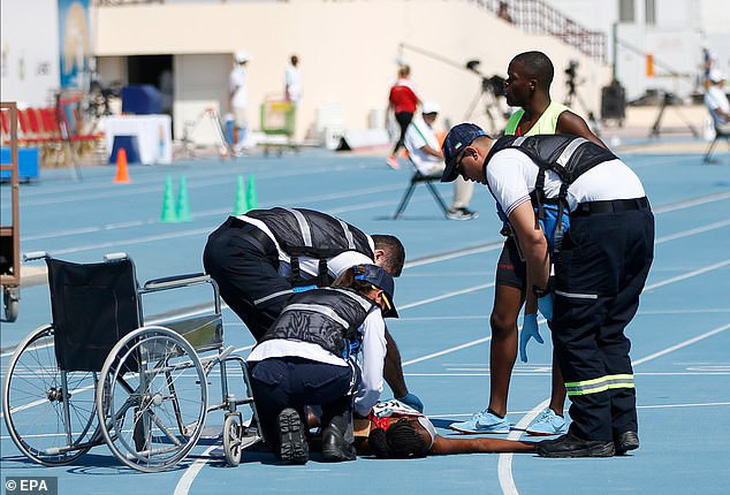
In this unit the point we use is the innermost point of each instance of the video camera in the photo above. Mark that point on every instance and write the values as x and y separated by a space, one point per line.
494 84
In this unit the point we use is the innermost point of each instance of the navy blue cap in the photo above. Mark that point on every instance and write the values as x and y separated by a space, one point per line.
382 280
459 137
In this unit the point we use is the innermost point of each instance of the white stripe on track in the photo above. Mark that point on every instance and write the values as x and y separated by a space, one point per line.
186 480
504 466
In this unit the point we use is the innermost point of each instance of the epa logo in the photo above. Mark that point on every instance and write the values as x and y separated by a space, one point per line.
31 486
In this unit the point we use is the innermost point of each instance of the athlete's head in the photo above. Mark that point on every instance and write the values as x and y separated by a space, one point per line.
390 255
527 73
404 71
403 439
372 282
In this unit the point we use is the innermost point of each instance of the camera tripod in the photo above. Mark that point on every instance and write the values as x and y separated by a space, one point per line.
574 96
668 101
488 96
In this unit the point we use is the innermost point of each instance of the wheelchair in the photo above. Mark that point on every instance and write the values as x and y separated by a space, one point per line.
99 374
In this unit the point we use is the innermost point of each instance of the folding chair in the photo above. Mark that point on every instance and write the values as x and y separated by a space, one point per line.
419 178
720 133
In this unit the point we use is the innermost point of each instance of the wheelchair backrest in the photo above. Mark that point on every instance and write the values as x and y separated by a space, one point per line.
94 305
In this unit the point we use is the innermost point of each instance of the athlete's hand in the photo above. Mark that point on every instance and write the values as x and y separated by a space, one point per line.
545 306
529 331
413 401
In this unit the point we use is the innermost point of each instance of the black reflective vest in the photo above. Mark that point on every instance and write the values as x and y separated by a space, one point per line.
566 155
329 318
302 232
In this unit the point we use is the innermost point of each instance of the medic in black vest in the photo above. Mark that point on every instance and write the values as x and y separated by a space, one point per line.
601 264
326 348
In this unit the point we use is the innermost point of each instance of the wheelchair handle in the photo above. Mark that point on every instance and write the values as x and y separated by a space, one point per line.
177 281
35 255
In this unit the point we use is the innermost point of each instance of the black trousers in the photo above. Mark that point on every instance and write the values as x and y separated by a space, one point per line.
599 275
245 268
404 120
279 383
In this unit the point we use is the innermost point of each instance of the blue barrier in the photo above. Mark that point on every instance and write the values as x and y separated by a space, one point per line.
28 164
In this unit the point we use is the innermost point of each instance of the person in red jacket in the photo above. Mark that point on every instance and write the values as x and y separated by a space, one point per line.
403 101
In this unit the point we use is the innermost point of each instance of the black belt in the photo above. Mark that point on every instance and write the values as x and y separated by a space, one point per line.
254 235
615 206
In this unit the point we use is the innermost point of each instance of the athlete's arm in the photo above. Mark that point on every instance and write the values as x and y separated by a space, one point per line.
570 123
446 446
430 151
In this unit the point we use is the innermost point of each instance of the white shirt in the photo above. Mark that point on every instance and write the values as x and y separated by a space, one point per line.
238 87
511 177
370 359
335 266
293 82
716 98
418 135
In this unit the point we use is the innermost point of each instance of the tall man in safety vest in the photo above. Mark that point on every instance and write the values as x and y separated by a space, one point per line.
263 257
601 264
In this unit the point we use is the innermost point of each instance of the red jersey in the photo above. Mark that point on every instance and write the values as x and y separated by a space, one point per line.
403 96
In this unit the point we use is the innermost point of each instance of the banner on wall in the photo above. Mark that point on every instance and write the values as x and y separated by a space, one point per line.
75 41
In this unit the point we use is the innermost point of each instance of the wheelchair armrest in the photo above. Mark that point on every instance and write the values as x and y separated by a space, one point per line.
177 281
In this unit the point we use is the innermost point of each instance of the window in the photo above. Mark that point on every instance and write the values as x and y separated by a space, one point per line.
626 11
650 17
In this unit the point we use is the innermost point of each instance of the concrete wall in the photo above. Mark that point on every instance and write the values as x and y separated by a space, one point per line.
348 50
30 60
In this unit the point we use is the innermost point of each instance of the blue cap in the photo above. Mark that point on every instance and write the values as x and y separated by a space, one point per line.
459 137
382 280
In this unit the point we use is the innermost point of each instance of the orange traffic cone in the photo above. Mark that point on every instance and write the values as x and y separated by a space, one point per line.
122 171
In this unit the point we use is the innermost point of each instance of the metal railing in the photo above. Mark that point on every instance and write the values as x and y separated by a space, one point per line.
537 17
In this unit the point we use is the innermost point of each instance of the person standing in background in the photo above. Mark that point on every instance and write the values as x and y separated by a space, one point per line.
238 98
293 82
403 101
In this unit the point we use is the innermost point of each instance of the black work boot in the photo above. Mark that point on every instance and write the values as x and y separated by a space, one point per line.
569 445
334 446
293 447
625 441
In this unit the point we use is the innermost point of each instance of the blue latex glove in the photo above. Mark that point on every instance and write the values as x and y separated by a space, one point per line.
413 401
529 331
545 306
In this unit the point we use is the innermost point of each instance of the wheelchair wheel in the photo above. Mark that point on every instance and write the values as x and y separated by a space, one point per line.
232 440
152 399
35 402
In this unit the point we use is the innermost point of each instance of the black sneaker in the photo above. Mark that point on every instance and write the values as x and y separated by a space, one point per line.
334 446
569 445
628 440
461 214
293 447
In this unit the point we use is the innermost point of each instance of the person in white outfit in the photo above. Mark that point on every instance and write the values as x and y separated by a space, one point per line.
238 97
424 150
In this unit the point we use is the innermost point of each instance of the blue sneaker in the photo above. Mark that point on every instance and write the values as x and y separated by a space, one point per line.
483 422
547 423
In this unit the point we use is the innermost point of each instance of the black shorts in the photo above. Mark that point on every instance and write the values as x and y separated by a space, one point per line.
511 270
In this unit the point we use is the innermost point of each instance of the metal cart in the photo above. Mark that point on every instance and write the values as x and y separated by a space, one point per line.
277 123
9 233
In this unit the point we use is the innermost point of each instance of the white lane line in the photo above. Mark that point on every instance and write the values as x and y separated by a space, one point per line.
691 232
691 202
447 295
687 275
478 373
448 351
186 480
504 467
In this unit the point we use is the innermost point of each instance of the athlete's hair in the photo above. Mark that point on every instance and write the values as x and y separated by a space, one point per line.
404 71
347 280
395 253
400 441
537 65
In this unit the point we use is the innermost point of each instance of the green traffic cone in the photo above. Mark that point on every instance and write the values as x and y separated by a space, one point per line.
252 199
168 203
183 207
241 205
